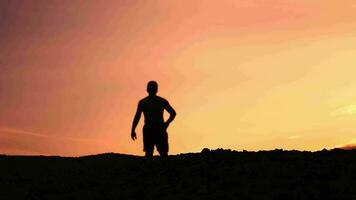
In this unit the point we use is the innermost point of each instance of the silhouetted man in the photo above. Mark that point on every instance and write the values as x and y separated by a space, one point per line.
155 128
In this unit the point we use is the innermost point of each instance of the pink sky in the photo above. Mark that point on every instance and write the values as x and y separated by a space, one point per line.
241 74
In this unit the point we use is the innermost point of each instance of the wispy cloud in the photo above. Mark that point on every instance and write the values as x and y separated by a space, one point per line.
34 134
349 110
293 137
17 131
17 141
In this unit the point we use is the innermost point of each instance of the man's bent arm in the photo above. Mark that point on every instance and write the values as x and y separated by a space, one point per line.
136 120
172 114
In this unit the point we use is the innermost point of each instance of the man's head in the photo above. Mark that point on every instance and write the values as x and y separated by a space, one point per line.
152 87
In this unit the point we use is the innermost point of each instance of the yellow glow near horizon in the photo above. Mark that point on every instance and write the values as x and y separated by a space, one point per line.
266 100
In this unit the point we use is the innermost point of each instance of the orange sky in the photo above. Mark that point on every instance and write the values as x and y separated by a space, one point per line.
258 74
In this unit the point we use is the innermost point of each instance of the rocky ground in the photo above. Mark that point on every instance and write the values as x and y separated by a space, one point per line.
217 174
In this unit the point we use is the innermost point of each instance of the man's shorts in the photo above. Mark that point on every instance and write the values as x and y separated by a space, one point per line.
155 134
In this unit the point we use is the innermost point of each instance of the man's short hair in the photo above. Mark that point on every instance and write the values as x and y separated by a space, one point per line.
152 87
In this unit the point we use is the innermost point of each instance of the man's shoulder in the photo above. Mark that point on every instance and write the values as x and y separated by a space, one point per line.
142 101
152 99
162 99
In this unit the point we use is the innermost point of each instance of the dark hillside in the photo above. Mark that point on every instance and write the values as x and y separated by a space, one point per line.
218 174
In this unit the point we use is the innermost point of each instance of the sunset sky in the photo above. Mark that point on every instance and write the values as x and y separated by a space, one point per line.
242 74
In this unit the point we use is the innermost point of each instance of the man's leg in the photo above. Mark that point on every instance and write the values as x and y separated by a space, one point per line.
162 145
148 148
148 144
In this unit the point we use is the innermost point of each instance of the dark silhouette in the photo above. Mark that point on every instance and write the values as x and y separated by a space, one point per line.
155 128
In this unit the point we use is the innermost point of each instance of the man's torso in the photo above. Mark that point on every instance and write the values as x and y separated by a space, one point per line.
153 109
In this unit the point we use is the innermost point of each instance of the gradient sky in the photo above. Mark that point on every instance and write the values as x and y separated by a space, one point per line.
257 74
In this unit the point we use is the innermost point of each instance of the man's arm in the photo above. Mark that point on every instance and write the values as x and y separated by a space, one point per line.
172 114
136 120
